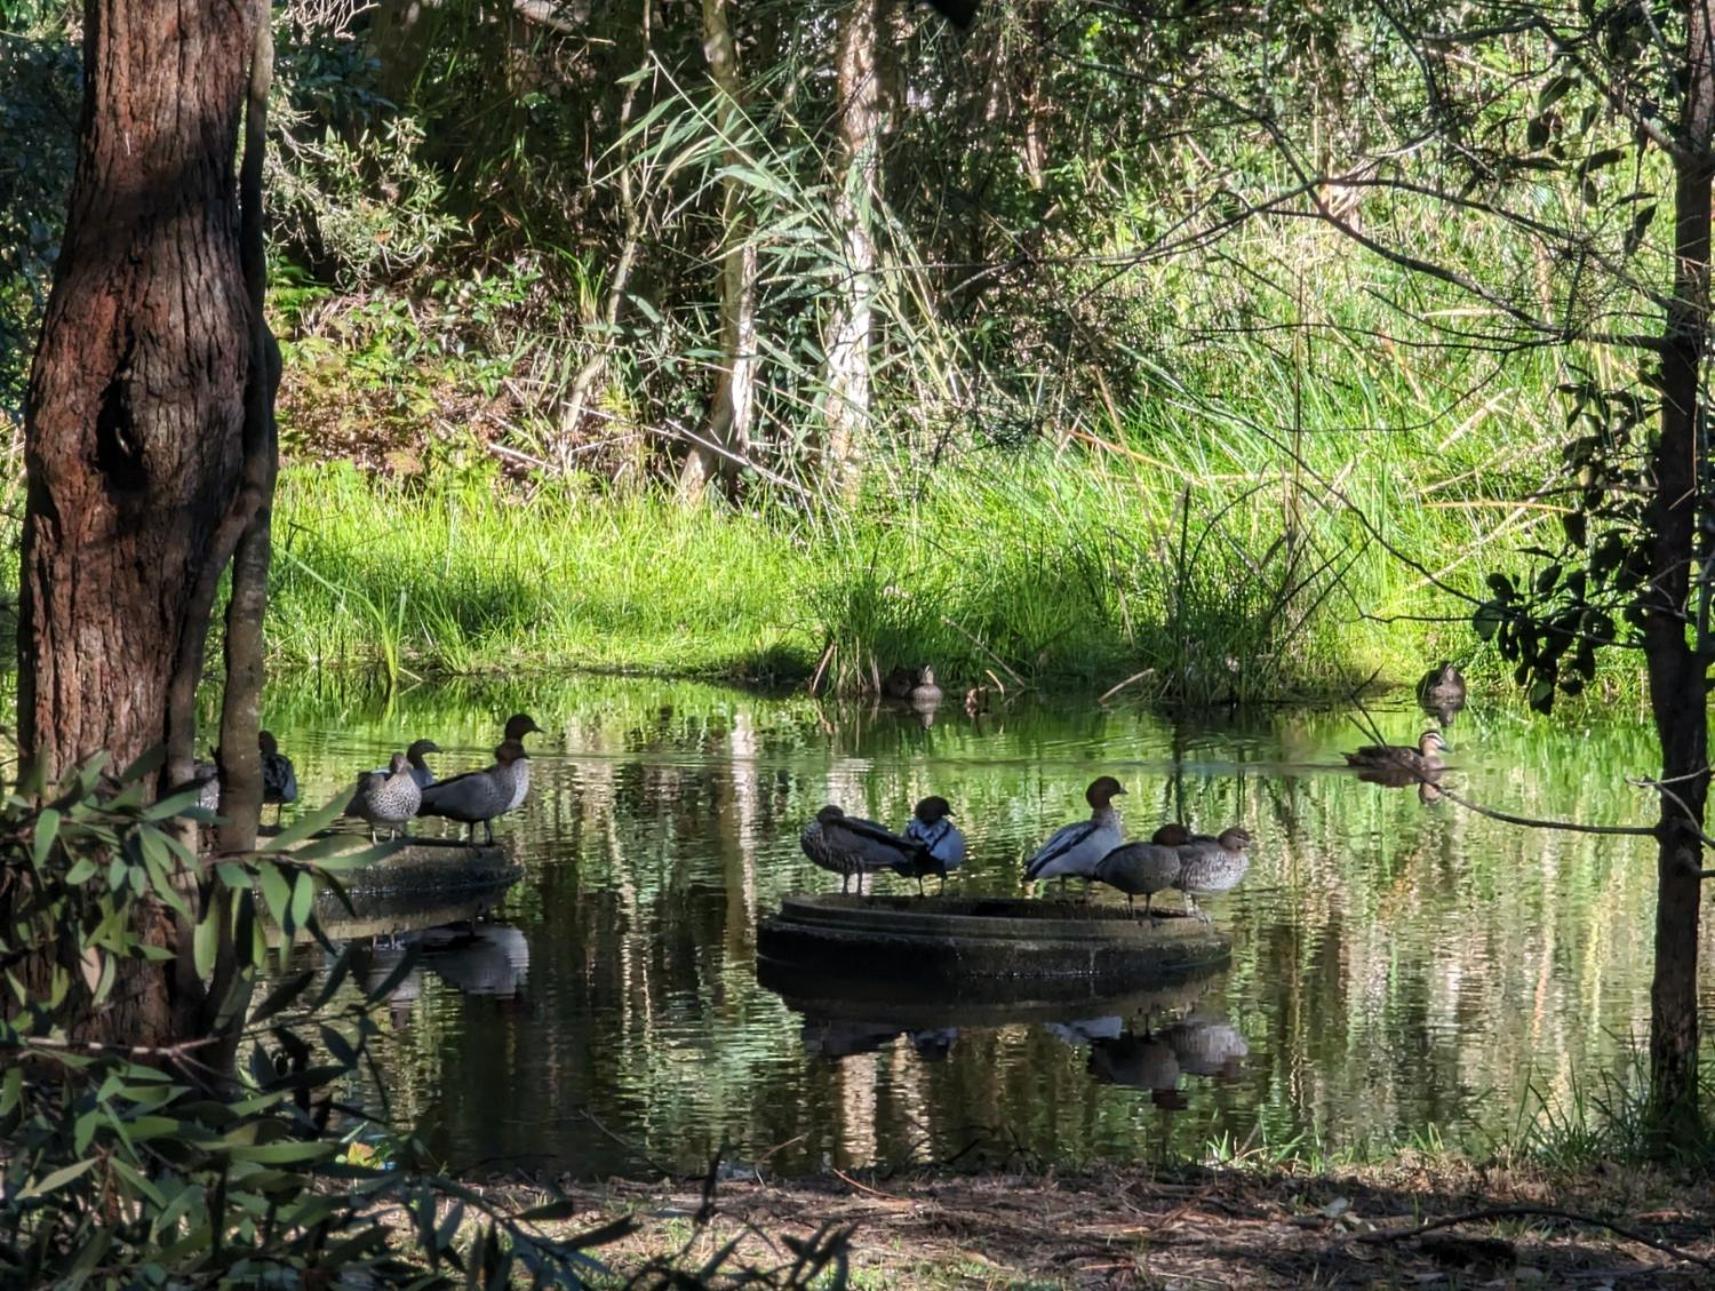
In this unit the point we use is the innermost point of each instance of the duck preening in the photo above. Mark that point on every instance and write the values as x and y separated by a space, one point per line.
477 797
931 825
852 846
1441 691
1407 764
1140 870
421 776
1078 848
279 779
387 800
1208 867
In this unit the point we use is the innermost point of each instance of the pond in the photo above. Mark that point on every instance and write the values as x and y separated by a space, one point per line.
1401 972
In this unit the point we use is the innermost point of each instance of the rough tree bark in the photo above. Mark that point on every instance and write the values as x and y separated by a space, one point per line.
857 159
1678 677
724 439
134 452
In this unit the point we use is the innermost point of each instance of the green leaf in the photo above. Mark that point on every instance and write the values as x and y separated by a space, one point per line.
82 872
276 890
287 1153
59 1178
206 942
1487 620
173 805
303 900
42 841
311 822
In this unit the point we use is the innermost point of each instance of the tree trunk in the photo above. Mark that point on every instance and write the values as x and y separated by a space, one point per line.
725 435
241 700
857 157
1678 682
134 422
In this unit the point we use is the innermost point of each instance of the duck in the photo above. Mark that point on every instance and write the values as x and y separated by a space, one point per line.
926 694
421 776
1209 867
279 779
898 683
1141 869
1078 848
852 846
517 727
976 701
1424 760
1441 691
931 825
387 800
477 797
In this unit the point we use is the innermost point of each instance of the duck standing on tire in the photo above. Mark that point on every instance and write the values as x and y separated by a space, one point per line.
517 727
851 845
931 824
387 800
279 779
1143 869
1209 867
477 797
1077 849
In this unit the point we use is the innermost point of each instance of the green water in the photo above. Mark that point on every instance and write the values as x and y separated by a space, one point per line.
1400 972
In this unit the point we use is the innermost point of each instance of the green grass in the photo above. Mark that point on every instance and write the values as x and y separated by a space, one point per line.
1272 515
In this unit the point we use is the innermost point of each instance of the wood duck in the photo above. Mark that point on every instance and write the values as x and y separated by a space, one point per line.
1441 691
931 826
1424 760
517 727
477 797
279 779
851 846
926 694
1209 867
898 684
1078 848
421 776
1140 869
387 801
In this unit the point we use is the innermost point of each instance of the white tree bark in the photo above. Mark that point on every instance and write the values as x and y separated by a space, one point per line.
724 439
857 158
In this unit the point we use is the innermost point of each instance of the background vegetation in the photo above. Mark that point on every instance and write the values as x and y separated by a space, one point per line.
1111 425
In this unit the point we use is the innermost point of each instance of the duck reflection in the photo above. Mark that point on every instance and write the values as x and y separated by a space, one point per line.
1084 1031
1200 1044
489 959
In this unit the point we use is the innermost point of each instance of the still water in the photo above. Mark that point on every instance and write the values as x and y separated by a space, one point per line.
1401 972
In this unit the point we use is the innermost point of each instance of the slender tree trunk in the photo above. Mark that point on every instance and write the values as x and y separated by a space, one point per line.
857 157
725 436
1678 682
134 423
241 701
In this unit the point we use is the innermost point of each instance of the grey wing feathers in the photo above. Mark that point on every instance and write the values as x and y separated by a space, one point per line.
1059 843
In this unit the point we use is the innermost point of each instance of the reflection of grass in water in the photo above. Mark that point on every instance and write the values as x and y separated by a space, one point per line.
1399 972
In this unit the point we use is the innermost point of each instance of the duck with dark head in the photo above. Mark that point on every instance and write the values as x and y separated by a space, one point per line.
931 825
1075 850
477 797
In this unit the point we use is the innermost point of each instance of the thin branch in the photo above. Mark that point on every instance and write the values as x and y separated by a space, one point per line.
1543 1212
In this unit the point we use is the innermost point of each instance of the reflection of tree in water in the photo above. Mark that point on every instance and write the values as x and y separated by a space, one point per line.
1390 963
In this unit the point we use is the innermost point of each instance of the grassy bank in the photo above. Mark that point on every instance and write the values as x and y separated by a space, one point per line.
1176 551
